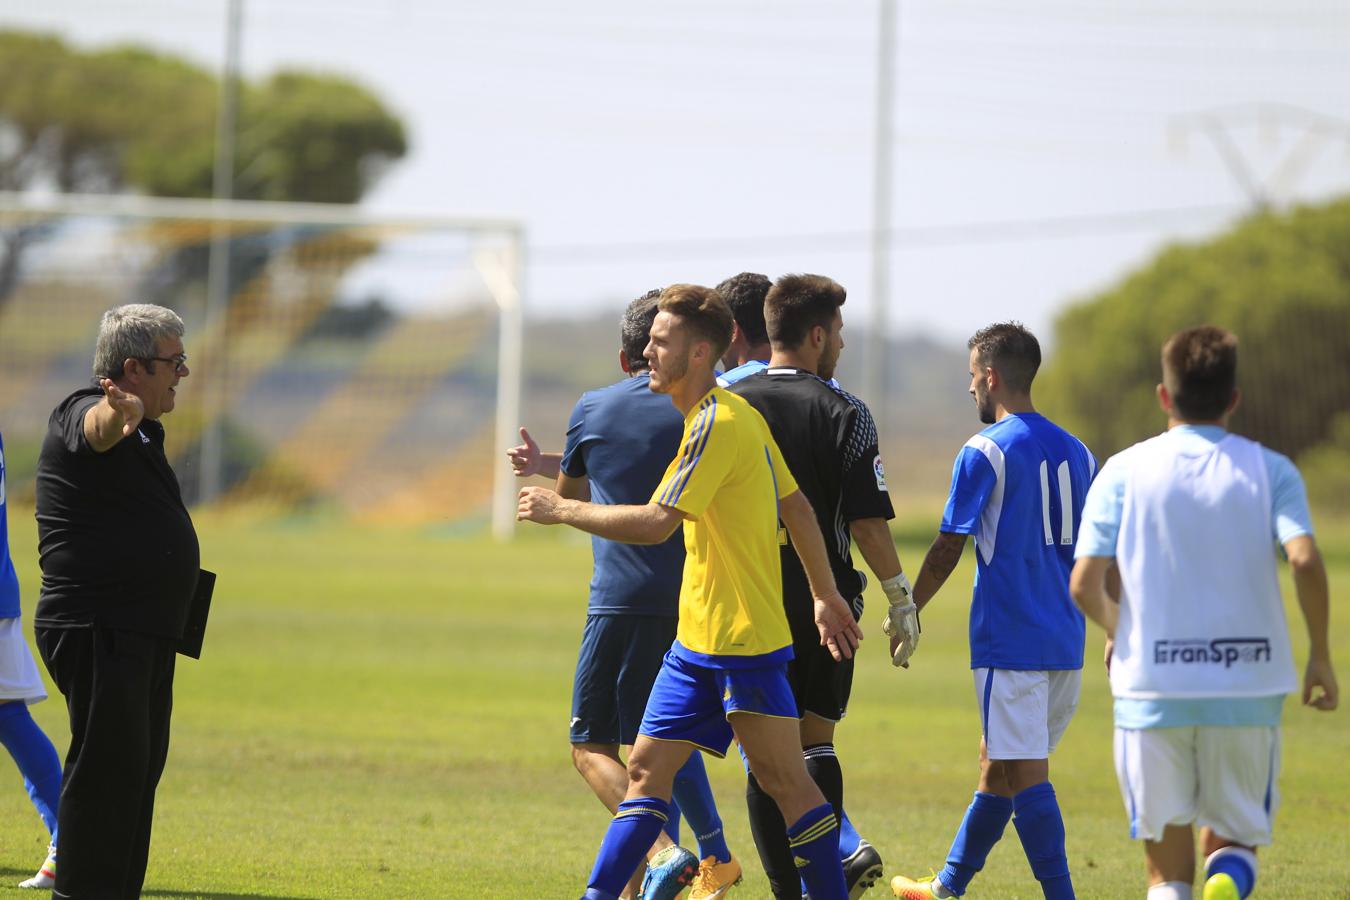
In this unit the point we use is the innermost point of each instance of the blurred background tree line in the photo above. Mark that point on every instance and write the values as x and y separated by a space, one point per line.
1281 282
125 118
130 119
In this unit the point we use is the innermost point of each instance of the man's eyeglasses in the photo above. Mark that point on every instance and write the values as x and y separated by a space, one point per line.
178 362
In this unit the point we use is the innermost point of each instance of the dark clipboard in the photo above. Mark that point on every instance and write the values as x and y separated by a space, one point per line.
194 630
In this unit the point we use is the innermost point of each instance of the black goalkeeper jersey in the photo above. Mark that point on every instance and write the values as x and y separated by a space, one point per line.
829 440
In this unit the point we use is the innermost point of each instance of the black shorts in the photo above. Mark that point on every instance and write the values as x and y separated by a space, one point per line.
620 656
821 684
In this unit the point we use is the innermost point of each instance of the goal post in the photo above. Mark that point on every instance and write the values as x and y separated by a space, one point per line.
343 364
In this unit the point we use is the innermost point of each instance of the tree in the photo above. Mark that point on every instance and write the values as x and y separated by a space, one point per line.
1281 282
130 118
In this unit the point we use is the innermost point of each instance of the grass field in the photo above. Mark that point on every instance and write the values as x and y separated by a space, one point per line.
383 713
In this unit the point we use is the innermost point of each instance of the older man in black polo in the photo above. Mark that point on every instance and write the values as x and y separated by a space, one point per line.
119 561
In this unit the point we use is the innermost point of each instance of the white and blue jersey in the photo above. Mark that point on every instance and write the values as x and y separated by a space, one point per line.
1100 536
9 579
621 438
744 370
1018 487
754 366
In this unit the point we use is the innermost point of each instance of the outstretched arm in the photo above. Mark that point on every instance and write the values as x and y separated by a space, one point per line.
943 555
112 418
649 524
838 631
1310 584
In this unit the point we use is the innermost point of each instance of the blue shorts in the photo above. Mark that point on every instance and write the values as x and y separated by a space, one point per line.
690 702
620 656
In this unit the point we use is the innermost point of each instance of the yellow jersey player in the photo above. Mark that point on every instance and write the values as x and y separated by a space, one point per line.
726 673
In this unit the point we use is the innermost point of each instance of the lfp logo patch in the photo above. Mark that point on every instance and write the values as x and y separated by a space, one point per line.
880 471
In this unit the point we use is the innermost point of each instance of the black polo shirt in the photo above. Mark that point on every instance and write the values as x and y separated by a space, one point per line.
116 543
829 442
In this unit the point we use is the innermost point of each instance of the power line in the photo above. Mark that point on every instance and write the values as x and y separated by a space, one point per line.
1314 131
903 237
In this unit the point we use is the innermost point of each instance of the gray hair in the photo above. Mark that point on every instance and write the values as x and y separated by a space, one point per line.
635 326
131 332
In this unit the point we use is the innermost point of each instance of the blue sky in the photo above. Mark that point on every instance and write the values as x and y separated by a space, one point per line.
648 143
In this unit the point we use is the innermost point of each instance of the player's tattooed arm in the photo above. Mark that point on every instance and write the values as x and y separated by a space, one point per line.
938 565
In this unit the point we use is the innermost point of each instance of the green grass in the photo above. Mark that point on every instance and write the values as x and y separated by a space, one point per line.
384 713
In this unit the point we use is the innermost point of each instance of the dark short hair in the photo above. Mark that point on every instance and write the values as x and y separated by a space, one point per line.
635 328
744 294
798 303
1200 371
1010 348
703 311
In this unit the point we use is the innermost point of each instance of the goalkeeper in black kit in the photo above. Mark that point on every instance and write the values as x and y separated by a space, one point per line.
829 441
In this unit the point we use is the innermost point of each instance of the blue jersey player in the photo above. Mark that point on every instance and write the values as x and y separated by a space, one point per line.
749 351
1018 487
20 685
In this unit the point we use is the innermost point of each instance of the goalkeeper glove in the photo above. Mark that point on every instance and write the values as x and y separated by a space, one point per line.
902 620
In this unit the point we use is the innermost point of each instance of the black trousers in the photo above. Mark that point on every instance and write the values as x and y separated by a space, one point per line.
118 687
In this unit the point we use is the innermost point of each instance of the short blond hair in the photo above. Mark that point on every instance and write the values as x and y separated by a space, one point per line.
703 311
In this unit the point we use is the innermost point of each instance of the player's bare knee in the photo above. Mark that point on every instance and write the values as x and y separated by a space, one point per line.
994 777
782 782
645 778
585 756
581 757
1021 774
816 730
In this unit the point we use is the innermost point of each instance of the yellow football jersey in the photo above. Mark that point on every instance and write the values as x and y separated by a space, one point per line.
727 479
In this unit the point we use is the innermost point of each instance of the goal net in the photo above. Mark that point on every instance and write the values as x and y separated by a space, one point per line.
339 361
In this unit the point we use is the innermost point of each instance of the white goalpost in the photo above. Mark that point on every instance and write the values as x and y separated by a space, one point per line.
369 331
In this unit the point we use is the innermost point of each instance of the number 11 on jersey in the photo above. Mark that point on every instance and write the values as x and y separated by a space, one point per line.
1065 503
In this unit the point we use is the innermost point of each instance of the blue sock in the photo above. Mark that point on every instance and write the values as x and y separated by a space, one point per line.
1041 827
1237 863
629 837
695 798
672 826
36 758
849 839
986 817
814 841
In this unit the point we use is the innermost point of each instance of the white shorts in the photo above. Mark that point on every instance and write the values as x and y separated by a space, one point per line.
1222 777
19 678
1024 714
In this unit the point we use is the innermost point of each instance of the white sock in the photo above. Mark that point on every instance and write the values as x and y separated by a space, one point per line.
939 889
1170 890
